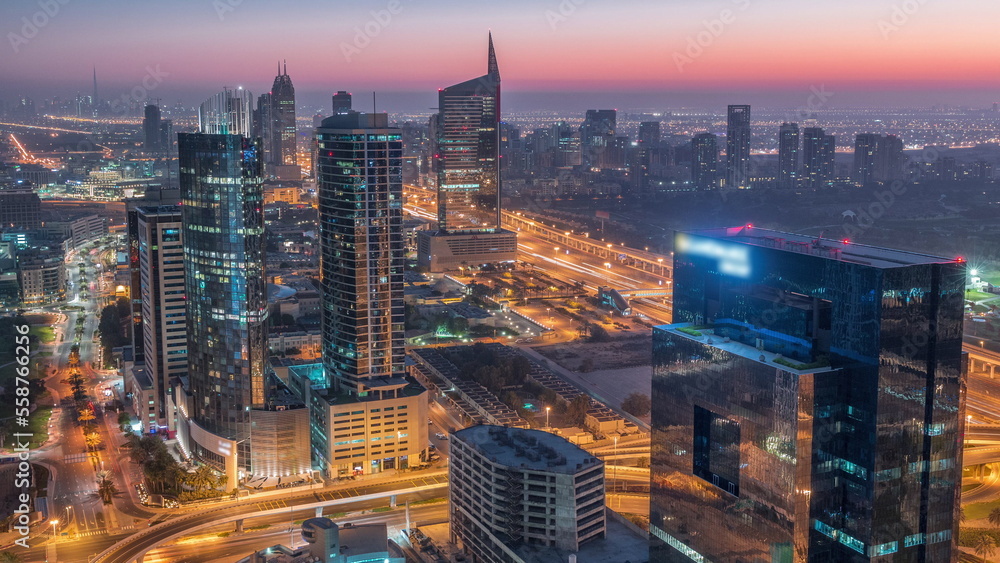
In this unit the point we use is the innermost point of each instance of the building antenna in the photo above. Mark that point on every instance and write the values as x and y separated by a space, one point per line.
374 105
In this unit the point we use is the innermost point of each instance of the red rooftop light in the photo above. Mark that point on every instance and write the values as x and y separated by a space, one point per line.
846 241
749 226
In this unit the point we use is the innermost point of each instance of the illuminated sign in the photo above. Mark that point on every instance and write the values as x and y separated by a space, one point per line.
734 259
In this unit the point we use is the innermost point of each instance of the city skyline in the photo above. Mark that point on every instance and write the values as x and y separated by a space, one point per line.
677 52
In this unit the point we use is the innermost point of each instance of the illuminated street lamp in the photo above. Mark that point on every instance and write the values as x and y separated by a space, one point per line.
54 524
547 409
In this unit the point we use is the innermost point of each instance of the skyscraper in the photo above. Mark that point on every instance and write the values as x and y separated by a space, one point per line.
788 155
162 295
705 161
151 129
809 403
468 171
229 112
738 147
818 152
649 132
341 102
283 149
597 134
865 150
362 261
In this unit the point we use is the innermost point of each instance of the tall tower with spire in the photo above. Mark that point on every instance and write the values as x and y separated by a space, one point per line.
96 102
277 127
467 164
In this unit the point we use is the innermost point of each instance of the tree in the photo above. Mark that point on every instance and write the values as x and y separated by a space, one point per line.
86 414
202 479
983 545
636 404
93 441
576 412
8 556
124 420
106 487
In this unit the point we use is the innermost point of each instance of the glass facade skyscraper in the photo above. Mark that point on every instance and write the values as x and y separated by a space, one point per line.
361 237
468 159
788 155
808 404
705 161
818 157
223 233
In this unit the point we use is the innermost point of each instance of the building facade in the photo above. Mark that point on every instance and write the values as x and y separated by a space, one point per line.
20 208
788 155
705 161
514 488
467 165
809 404
738 147
362 260
818 152
163 302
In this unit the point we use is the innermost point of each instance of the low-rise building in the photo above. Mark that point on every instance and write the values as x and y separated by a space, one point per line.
515 492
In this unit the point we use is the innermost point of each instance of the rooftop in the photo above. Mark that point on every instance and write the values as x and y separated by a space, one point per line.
621 544
527 449
842 250
707 337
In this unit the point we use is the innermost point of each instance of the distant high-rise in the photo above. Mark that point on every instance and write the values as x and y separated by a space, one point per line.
360 187
808 404
151 129
20 208
705 161
283 149
167 135
738 147
649 132
468 176
889 159
818 152
788 155
597 134
865 150
341 102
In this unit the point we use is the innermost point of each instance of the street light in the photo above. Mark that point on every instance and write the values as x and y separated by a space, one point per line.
54 524
547 409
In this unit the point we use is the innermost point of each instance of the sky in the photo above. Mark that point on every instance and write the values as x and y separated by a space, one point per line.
551 52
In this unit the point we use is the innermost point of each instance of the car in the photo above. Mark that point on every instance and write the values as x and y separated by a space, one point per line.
441 436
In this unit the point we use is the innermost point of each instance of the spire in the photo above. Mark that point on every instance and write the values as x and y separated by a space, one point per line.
95 85
284 69
492 68
279 68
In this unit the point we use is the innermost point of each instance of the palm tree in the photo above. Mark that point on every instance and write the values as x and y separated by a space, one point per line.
203 478
124 420
106 487
93 440
994 517
86 415
10 557
984 545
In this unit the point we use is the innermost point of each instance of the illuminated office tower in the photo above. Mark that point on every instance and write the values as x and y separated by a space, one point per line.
233 413
283 149
705 161
597 137
788 155
808 405
360 187
467 163
738 147
865 152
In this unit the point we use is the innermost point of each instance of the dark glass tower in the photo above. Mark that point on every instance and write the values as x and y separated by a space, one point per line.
468 162
705 161
738 147
223 234
788 155
283 116
151 129
361 239
809 404
341 102
818 152
865 151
